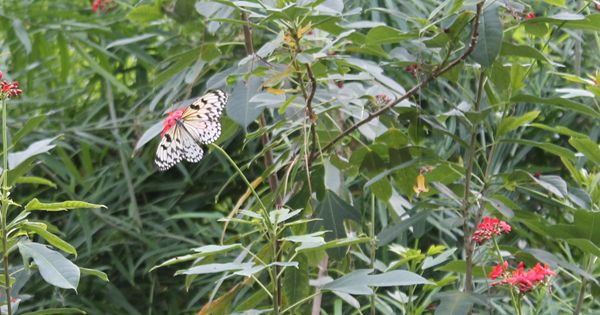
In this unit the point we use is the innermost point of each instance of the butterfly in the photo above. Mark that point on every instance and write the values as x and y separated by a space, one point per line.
185 128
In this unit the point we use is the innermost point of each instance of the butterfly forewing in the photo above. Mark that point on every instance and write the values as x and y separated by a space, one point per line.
207 107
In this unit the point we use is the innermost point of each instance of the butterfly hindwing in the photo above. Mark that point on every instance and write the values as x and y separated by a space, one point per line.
170 149
205 132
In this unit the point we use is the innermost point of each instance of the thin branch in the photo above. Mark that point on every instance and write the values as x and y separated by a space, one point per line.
415 89
311 114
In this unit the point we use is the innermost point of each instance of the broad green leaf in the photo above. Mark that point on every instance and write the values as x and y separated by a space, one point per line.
36 148
556 2
512 123
239 107
94 272
548 147
457 303
500 76
390 233
517 77
35 180
296 281
588 147
54 267
387 35
490 37
59 206
333 211
569 20
101 71
554 184
146 12
374 165
52 311
500 206
522 51
359 281
148 135
432 262
29 126
40 229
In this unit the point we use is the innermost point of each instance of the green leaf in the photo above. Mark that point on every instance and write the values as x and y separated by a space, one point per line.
101 71
560 129
333 211
390 233
588 147
146 13
500 206
35 180
54 267
17 158
460 266
203 251
522 51
557 101
94 272
548 147
553 183
52 311
556 2
40 229
490 37
512 123
130 40
65 57
22 35
59 206
29 126
296 281
374 165
387 35
500 76
239 107
359 281
457 303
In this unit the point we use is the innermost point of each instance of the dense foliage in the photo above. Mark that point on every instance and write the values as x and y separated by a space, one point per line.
376 156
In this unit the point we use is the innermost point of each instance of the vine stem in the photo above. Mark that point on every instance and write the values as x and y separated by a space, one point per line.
5 207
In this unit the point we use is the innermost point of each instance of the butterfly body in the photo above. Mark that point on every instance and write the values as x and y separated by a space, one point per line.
185 128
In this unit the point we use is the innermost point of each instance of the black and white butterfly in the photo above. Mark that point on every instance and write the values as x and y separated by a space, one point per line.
199 123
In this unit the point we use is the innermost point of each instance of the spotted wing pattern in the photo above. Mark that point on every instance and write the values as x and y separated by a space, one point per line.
201 119
199 123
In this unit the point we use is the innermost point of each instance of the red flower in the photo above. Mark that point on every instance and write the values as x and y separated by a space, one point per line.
498 271
488 228
340 84
446 30
9 89
102 5
530 16
537 175
171 120
332 54
521 280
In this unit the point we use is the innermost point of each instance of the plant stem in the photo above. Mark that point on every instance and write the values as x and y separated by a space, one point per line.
373 248
5 207
582 289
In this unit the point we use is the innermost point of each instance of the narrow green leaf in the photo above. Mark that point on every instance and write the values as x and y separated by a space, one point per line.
548 147
29 126
387 35
35 180
52 311
35 204
101 71
22 35
94 272
51 238
457 303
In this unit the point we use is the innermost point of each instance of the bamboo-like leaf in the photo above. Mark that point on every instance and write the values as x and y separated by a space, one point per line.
59 206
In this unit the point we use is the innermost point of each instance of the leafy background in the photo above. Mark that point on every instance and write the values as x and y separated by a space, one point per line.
105 78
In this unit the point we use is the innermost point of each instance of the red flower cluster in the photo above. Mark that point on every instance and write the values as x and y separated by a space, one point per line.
530 16
383 99
523 281
9 89
413 70
171 120
490 227
101 5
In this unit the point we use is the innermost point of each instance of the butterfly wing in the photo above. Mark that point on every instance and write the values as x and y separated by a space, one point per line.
201 119
170 149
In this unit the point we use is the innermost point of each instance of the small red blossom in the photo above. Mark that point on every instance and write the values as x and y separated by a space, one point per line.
431 307
102 5
598 7
488 228
446 30
530 16
340 84
331 54
310 33
171 120
9 89
523 281
537 175
595 82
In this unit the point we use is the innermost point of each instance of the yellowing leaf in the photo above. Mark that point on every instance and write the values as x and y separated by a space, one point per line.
276 91
304 29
